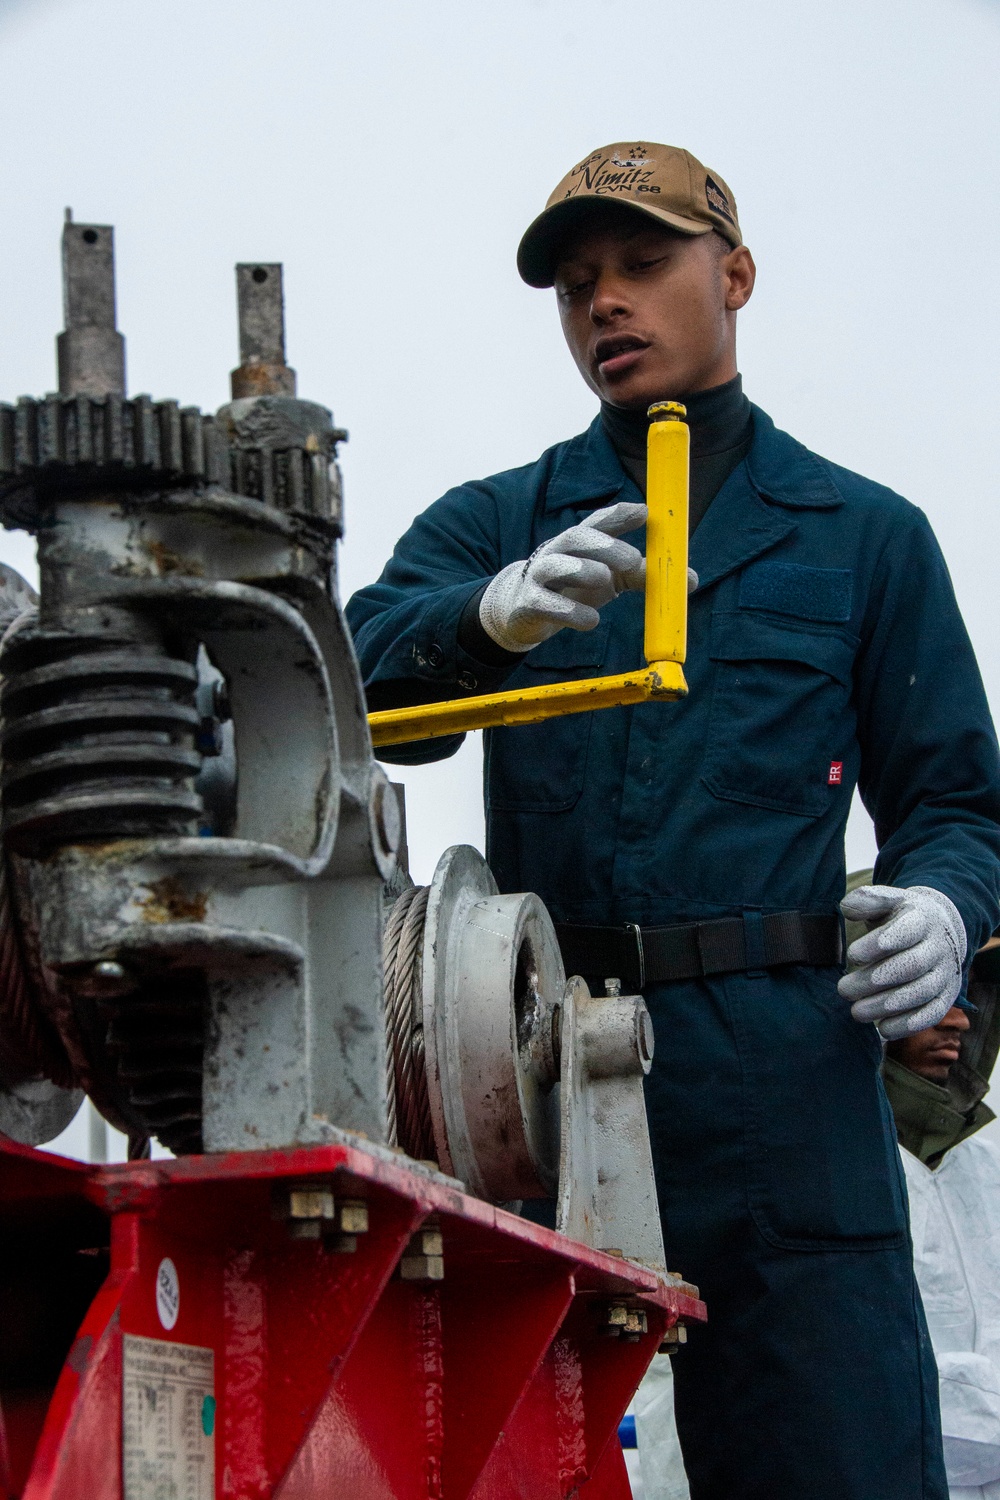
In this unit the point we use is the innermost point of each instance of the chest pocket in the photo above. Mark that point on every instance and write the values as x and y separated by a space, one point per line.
541 767
781 711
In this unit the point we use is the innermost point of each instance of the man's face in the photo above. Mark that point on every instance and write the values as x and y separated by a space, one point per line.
650 314
932 1053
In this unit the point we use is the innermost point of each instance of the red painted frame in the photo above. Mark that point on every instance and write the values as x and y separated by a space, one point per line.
334 1377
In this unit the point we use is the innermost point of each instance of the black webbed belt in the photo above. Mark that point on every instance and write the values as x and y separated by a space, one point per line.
695 950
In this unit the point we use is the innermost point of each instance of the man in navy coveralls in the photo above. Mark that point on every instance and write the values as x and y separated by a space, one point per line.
696 849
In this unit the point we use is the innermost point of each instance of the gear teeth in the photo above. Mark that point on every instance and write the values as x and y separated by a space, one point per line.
102 437
73 442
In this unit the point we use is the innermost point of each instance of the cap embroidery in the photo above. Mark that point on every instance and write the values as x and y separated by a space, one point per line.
636 158
592 176
718 200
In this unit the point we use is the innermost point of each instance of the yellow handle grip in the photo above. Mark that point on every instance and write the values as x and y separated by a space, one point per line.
667 468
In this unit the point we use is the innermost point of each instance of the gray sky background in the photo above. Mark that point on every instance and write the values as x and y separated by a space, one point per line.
391 154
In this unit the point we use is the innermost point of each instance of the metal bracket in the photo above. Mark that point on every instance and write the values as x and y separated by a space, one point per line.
607 1192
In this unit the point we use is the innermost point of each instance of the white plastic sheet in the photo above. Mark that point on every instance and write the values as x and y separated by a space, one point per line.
663 1476
955 1219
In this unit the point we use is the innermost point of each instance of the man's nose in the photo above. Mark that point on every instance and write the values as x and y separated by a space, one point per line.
955 1020
610 299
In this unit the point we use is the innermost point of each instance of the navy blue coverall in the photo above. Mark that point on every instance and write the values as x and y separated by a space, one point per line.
826 648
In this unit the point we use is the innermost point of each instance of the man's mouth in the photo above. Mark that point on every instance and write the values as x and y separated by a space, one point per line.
616 353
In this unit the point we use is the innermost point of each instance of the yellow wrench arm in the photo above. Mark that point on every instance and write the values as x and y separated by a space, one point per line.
665 642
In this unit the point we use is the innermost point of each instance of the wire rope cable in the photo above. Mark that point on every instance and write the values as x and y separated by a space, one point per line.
406 1074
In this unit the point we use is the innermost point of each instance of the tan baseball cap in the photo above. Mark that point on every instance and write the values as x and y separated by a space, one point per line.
668 184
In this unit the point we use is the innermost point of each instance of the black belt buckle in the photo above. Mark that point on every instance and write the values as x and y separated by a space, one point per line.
634 928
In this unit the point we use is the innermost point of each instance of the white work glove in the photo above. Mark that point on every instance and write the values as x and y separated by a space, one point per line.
909 967
565 581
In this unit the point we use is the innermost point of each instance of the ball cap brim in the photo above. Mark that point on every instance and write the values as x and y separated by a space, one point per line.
663 183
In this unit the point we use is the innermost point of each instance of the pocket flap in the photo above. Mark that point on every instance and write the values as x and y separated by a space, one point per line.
570 649
737 635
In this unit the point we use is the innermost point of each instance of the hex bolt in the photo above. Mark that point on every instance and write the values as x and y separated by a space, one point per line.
310 1203
635 1326
673 1338
304 1229
351 1219
307 1206
423 1259
352 1216
628 1323
612 988
615 1319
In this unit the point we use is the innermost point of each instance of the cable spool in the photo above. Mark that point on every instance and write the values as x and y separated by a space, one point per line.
473 981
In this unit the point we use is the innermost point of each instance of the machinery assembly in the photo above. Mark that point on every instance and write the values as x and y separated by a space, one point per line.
207 926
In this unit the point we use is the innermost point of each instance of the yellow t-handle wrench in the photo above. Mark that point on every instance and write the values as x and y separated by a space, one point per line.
665 645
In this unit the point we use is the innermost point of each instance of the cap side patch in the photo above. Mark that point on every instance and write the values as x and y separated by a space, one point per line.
717 199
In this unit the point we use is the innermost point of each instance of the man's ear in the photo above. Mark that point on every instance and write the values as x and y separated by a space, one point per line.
739 274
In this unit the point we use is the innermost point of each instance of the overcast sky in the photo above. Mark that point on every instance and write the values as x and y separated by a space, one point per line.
391 154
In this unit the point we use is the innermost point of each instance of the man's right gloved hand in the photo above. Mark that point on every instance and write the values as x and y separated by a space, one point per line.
566 581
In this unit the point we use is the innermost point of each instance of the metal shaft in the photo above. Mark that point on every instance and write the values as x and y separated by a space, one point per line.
262 370
91 351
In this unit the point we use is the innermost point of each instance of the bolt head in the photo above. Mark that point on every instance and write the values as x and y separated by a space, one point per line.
310 1203
427 1242
421 1268
352 1217
645 1035
673 1338
304 1229
108 970
340 1244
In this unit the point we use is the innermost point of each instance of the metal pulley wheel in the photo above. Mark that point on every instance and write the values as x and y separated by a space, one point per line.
493 980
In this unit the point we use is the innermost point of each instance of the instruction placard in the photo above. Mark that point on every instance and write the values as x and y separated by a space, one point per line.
168 1420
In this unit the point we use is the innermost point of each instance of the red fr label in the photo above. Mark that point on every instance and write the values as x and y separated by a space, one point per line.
836 775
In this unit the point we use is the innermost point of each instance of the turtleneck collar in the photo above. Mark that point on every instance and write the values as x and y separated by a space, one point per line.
719 419
721 423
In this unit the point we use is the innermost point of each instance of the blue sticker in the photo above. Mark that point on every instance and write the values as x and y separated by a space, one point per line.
822 594
208 1415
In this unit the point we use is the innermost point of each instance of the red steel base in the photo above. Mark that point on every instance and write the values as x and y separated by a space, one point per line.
331 1376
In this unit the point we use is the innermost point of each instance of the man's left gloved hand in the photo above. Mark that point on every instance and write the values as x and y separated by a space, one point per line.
909 967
